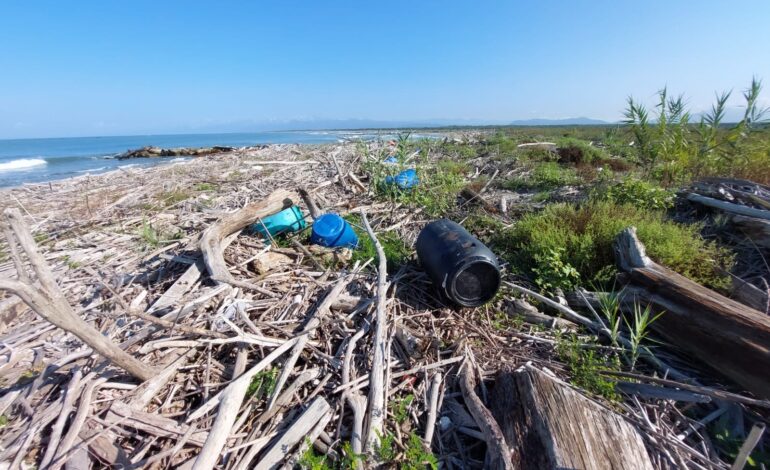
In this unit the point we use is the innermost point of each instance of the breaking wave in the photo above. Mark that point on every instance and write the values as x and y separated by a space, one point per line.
22 164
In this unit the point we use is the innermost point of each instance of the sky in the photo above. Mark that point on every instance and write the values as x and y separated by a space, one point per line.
146 67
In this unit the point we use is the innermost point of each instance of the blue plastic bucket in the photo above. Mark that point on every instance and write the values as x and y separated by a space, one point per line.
288 220
407 179
332 230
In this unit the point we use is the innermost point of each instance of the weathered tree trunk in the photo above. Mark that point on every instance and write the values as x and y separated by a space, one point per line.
731 337
551 426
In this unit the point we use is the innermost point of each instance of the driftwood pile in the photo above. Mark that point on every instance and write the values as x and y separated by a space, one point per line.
154 340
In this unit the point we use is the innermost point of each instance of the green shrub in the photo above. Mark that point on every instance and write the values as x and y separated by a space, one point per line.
585 366
573 150
583 237
638 193
544 176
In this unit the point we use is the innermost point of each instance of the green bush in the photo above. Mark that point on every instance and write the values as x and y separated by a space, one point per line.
573 150
582 237
636 192
544 176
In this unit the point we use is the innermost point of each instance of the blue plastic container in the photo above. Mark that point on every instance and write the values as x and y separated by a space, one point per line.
288 220
407 179
332 230
391 160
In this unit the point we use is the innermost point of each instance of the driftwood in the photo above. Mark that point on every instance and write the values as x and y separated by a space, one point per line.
318 410
497 447
551 426
377 399
729 336
729 206
758 230
213 237
48 301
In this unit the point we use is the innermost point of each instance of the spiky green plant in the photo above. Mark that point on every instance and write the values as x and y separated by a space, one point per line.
638 332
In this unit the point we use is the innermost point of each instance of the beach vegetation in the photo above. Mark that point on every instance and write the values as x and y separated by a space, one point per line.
552 245
543 176
585 364
263 384
639 193
673 149
204 186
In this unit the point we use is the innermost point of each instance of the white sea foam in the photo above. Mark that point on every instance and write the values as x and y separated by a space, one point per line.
22 164
130 165
92 169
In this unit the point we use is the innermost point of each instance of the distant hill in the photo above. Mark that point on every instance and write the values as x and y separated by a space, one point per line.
578 121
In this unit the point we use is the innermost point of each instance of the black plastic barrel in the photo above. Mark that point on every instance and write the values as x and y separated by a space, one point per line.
462 268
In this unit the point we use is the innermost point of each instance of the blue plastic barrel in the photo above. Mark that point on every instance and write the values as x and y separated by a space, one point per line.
407 179
332 230
288 220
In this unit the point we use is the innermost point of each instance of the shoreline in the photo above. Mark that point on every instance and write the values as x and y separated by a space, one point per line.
143 167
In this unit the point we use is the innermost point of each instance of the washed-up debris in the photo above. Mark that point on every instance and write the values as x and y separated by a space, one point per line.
215 348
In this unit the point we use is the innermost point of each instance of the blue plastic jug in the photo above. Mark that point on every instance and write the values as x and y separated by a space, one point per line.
407 179
332 230
288 220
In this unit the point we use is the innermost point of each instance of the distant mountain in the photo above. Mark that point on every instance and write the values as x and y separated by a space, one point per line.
578 121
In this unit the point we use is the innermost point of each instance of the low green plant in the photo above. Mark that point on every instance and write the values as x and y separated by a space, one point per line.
149 235
416 457
639 193
551 271
400 408
3 421
350 459
72 264
263 384
205 187
386 449
583 237
544 176
153 237
310 460
170 198
585 365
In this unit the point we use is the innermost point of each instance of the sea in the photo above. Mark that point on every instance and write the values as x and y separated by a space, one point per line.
40 160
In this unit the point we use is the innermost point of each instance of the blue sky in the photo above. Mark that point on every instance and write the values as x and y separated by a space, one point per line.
110 68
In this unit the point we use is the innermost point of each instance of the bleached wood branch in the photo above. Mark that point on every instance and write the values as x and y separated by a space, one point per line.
377 400
49 302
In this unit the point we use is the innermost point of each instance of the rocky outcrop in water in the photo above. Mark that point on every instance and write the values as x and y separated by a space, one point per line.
157 152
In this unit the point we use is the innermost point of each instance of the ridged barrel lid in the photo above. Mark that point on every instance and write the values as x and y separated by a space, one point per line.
328 226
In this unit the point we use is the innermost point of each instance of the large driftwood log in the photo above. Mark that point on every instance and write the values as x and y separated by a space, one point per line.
725 334
48 301
758 230
729 206
549 425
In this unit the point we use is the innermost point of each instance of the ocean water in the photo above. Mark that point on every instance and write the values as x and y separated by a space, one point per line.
40 160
